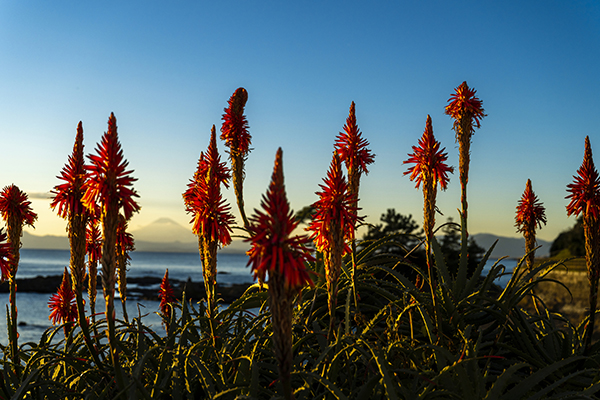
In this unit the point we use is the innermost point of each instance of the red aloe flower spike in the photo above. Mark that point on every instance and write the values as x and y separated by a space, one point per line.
584 193
464 104
5 256
274 251
109 179
110 188
429 160
62 303
333 227
16 211
429 168
67 196
167 298
585 190
464 108
212 218
353 151
234 132
530 214
334 211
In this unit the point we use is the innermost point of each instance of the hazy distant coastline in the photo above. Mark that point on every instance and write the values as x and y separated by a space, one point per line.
165 235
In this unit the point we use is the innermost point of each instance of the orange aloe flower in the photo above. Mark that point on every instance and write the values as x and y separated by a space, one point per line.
234 132
15 206
166 296
203 197
67 202
585 190
465 108
530 214
15 209
62 304
465 105
109 189
212 218
530 211
67 196
5 256
429 161
335 213
333 227
584 193
283 256
273 249
353 151
429 168
109 179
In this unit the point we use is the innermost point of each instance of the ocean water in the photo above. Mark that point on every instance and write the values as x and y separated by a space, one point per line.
33 307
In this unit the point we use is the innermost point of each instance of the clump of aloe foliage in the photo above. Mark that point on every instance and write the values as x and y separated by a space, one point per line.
350 322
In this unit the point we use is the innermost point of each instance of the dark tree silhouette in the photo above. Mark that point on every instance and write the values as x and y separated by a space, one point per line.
570 243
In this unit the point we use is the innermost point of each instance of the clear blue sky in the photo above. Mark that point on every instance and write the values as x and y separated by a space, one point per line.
166 69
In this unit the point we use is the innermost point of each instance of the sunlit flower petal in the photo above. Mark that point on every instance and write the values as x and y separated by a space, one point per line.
67 196
334 210
273 247
203 198
62 304
234 130
429 160
109 179
166 296
5 256
530 211
352 147
15 204
464 104
585 190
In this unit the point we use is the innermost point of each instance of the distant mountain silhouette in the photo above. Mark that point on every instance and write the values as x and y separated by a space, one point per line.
166 235
509 246
46 242
162 235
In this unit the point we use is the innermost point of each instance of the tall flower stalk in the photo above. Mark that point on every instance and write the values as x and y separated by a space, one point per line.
234 132
212 218
5 257
94 254
354 153
63 306
282 256
584 195
467 111
429 168
16 212
531 214
110 187
67 202
333 227
124 247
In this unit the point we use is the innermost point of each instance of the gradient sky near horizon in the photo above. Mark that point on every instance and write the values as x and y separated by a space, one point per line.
167 70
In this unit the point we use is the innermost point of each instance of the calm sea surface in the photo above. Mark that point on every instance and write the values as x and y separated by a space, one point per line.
33 307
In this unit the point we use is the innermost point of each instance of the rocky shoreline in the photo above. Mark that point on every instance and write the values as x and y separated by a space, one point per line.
144 288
